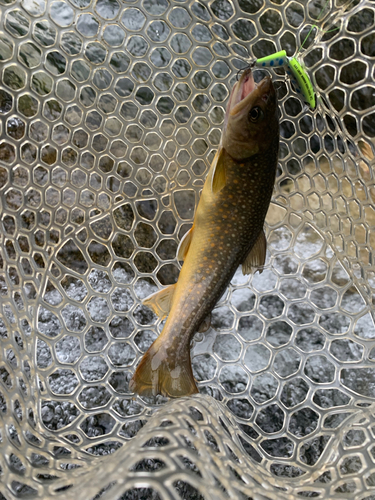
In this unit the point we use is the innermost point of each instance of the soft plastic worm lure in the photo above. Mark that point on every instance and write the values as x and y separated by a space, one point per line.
294 69
296 72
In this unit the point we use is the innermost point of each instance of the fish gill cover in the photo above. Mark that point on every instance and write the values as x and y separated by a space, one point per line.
111 113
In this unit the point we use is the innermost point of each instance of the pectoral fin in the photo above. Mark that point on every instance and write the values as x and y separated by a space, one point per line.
160 301
257 255
184 245
218 175
205 325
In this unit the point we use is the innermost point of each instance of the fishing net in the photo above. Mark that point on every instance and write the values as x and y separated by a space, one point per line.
111 112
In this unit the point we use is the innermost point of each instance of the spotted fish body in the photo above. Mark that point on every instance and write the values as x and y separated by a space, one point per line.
227 232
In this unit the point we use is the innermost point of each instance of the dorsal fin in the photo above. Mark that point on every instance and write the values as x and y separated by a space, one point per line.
184 245
218 175
257 255
160 301
205 325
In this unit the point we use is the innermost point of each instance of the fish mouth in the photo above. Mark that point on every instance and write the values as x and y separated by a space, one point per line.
246 90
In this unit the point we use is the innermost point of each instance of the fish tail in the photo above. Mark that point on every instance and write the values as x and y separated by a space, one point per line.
164 370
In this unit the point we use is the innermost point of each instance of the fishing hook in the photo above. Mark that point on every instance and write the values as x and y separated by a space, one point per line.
250 66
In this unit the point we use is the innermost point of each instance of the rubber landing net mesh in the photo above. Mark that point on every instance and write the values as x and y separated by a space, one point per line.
111 113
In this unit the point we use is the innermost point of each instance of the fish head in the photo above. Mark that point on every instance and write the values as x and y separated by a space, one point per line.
251 122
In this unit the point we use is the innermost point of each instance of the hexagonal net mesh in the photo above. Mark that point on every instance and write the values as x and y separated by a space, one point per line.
111 113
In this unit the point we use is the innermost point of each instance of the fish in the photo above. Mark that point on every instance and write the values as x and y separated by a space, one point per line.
227 231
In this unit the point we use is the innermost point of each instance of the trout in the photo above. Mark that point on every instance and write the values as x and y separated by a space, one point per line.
227 231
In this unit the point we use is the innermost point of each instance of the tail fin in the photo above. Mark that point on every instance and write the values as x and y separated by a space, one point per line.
165 371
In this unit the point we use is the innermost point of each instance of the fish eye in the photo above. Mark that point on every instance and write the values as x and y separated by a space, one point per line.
256 114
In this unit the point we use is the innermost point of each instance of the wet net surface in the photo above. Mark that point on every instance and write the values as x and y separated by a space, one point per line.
110 115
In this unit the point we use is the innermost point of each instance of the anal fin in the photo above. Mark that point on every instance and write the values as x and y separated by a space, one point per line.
160 301
257 256
184 245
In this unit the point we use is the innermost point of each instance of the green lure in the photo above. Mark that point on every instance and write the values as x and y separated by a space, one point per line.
294 69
